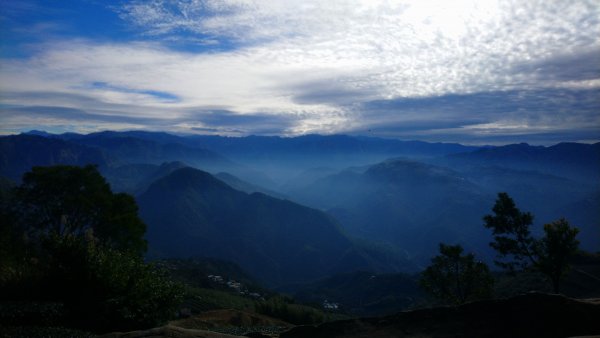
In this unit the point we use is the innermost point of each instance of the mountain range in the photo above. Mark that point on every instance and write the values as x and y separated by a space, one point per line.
191 213
295 210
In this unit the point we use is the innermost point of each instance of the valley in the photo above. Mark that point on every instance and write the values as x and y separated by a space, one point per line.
319 228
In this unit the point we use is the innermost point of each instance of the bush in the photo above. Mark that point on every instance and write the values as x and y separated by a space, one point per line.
69 240
456 278
284 309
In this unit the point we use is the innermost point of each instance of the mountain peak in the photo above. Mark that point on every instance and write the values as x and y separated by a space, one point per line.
188 177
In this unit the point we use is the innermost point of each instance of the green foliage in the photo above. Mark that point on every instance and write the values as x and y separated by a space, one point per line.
284 308
363 293
129 293
194 271
280 307
73 201
72 241
512 239
456 278
102 288
31 313
42 331
555 249
202 299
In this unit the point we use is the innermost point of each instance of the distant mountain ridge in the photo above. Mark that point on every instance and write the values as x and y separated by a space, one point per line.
411 195
405 203
274 159
577 161
314 144
261 146
415 205
19 153
130 149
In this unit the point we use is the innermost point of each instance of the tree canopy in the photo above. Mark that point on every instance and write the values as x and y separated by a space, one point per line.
456 278
69 239
518 249
77 201
512 236
555 248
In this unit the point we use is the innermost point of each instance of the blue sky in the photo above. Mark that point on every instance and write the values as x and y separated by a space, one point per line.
461 71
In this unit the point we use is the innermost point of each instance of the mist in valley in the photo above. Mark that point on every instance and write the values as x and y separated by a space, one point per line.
225 168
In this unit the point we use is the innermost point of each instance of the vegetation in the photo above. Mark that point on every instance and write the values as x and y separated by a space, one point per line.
69 201
518 249
191 213
71 249
456 278
71 241
205 299
556 249
364 293
285 309
193 272
203 294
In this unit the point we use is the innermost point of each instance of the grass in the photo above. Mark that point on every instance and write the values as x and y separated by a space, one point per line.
199 300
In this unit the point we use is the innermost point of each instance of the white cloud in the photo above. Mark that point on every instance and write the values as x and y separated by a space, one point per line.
316 61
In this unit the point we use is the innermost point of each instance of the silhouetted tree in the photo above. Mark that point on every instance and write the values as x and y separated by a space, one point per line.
519 250
555 248
456 278
74 242
76 201
512 237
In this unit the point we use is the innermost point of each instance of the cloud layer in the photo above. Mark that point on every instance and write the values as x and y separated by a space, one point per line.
472 71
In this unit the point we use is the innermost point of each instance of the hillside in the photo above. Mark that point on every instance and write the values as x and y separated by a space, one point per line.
241 185
407 204
194 272
191 213
232 319
415 205
529 315
363 293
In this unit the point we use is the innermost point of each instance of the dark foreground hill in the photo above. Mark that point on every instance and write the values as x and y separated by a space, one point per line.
529 315
191 213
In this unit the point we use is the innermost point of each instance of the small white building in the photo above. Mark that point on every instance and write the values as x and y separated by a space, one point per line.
329 305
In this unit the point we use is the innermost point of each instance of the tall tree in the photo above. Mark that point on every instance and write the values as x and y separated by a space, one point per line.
555 248
512 237
518 249
456 278
77 201
75 242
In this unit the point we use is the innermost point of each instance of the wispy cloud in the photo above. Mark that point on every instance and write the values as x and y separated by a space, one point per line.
291 67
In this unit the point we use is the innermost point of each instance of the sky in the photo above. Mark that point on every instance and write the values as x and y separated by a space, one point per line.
468 71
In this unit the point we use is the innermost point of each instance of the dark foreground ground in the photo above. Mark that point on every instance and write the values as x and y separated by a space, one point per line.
529 315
